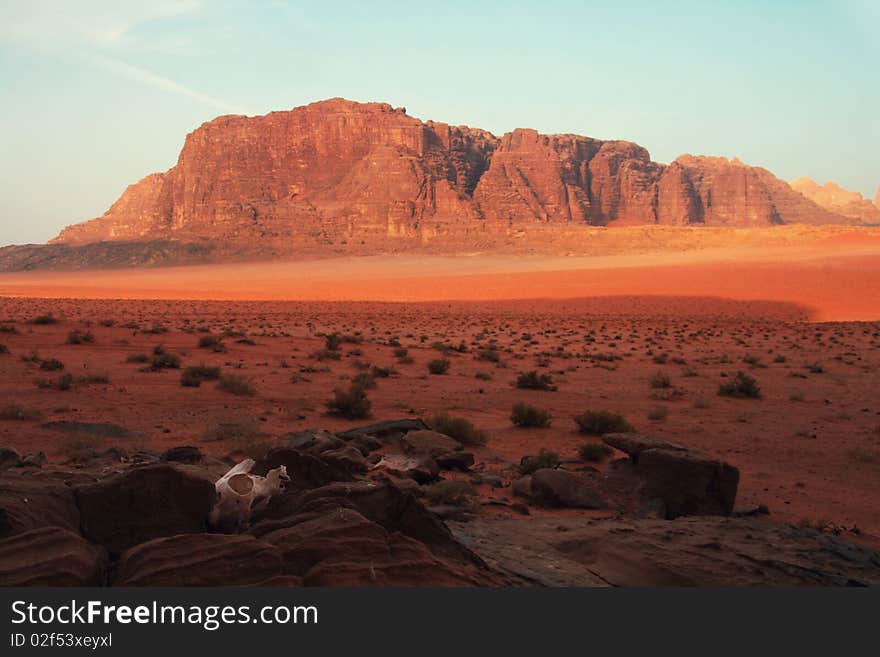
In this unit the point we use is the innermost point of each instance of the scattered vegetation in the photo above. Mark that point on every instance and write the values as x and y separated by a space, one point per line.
51 365
534 381
598 423
163 359
742 386
544 459
595 452
77 336
439 366
192 376
459 428
212 342
44 320
660 380
524 415
351 404
236 384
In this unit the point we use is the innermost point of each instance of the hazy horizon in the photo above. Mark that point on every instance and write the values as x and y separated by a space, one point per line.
99 94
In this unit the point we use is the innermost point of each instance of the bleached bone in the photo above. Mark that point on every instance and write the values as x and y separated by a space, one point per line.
240 493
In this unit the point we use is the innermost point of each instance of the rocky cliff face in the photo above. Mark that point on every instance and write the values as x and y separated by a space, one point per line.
336 171
835 198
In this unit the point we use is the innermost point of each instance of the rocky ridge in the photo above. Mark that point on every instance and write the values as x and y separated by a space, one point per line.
337 173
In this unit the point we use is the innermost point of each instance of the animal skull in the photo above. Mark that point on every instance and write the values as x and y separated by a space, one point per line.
239 493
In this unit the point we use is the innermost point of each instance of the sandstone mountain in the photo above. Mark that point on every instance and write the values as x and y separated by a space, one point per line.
338 172
835 198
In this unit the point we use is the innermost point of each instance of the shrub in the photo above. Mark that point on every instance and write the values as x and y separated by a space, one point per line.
544 459
138 358
209 341
455 492
333 342
659 413
595 452
351 404
598 423
382 372
4 349
459 428
51 365
534 381
439 366
18 412
524 415
742 385
401 352
81 445
483 376
48 318
8 328
659 380
236 384
164 360
65 381
80 337
489 354
192 376
365 380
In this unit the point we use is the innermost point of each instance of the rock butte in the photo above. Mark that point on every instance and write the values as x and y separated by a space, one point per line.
835 198
338 172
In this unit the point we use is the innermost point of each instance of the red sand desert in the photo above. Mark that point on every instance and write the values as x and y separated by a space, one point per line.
803 322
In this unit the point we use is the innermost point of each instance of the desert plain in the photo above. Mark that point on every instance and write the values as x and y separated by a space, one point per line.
649 337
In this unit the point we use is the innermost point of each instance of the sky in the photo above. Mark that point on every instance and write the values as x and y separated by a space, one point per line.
96 95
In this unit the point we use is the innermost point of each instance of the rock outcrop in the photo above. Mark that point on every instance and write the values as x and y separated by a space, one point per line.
142 504
50 556
835 198
686 481
337 173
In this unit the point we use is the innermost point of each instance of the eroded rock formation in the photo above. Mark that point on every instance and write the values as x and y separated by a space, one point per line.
338 172
835 198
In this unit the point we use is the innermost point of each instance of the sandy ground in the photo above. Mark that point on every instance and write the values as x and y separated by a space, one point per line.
828 280
602 328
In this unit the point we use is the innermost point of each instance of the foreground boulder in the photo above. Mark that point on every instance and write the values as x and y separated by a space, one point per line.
687 481
50 556
334 536
428 442
421 468
385 430
32 501
380 502
304 469
199 560
408 563
554 487
142 504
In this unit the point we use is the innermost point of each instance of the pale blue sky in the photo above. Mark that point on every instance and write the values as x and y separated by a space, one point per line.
95 95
